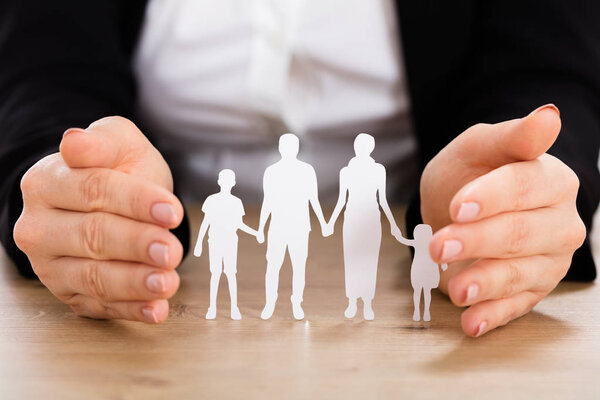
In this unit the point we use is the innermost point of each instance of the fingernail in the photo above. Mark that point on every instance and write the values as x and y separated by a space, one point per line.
450 249
468 212
156 283
159 253
149 314
73 130
163 212
546 106
481 328
472 292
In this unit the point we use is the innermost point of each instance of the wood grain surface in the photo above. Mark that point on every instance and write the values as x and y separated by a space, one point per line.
46 352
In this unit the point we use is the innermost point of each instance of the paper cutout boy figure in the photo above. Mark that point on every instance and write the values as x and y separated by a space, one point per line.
223 214
362 192
289 185
424 272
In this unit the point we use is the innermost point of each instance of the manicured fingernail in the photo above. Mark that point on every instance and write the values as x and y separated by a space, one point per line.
73 130
150 314
156 283
451 249
546 106
472 292
159 253
481 328
468 212
164 213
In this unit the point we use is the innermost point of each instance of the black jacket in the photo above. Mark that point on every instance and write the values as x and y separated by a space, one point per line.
67 63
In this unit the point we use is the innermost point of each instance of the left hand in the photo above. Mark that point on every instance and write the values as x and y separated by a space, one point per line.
396 232
198 250
327 230
505 216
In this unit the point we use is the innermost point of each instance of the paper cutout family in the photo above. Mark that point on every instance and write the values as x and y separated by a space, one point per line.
289 186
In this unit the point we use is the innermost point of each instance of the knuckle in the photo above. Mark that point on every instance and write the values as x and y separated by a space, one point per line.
92 234
93 282
576 235
29 181
519 234
114 123
522 188
513 278
94 190
25 235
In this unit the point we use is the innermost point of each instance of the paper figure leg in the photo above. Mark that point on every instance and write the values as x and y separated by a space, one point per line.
276 247
298 249
230 268
427 299
417 302
368 312
216 265
351 309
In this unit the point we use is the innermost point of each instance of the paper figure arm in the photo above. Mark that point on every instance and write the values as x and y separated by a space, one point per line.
245 228
265 210
386 208
405 241
316 205
444 267
201 234
341 202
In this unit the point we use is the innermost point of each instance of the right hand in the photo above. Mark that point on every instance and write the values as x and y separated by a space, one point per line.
260 237
95 223
198 250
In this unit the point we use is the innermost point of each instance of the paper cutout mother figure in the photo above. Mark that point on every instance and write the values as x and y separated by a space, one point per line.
289 185
424 272
362 191
223 214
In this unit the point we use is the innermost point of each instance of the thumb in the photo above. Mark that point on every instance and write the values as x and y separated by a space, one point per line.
520 139
115 143
107 143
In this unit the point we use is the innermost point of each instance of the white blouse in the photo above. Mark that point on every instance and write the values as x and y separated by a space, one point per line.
220 81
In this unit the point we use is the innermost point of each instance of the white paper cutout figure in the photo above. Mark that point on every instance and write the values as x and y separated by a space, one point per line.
424 272
223 214
362 191
289 186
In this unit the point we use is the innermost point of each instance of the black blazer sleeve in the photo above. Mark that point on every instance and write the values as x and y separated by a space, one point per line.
63 64
488 61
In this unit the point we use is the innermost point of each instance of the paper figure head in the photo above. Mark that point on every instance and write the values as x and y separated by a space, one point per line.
422 232
289 145
226 179
364 144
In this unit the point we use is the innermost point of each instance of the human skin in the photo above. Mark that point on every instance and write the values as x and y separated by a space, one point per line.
95 223
96 219
492 196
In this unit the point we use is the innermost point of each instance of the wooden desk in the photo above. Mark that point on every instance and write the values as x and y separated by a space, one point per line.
46 352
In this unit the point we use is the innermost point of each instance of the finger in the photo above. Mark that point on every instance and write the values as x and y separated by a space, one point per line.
517 186
101 189
106 143
489 279
110 280
485 316
104 236
152 312
515 140
508 235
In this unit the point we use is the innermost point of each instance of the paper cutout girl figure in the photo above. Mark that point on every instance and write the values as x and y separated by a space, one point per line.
362 191
223 214
424 272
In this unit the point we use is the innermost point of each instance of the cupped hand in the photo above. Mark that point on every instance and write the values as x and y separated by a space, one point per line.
505 216
95 223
